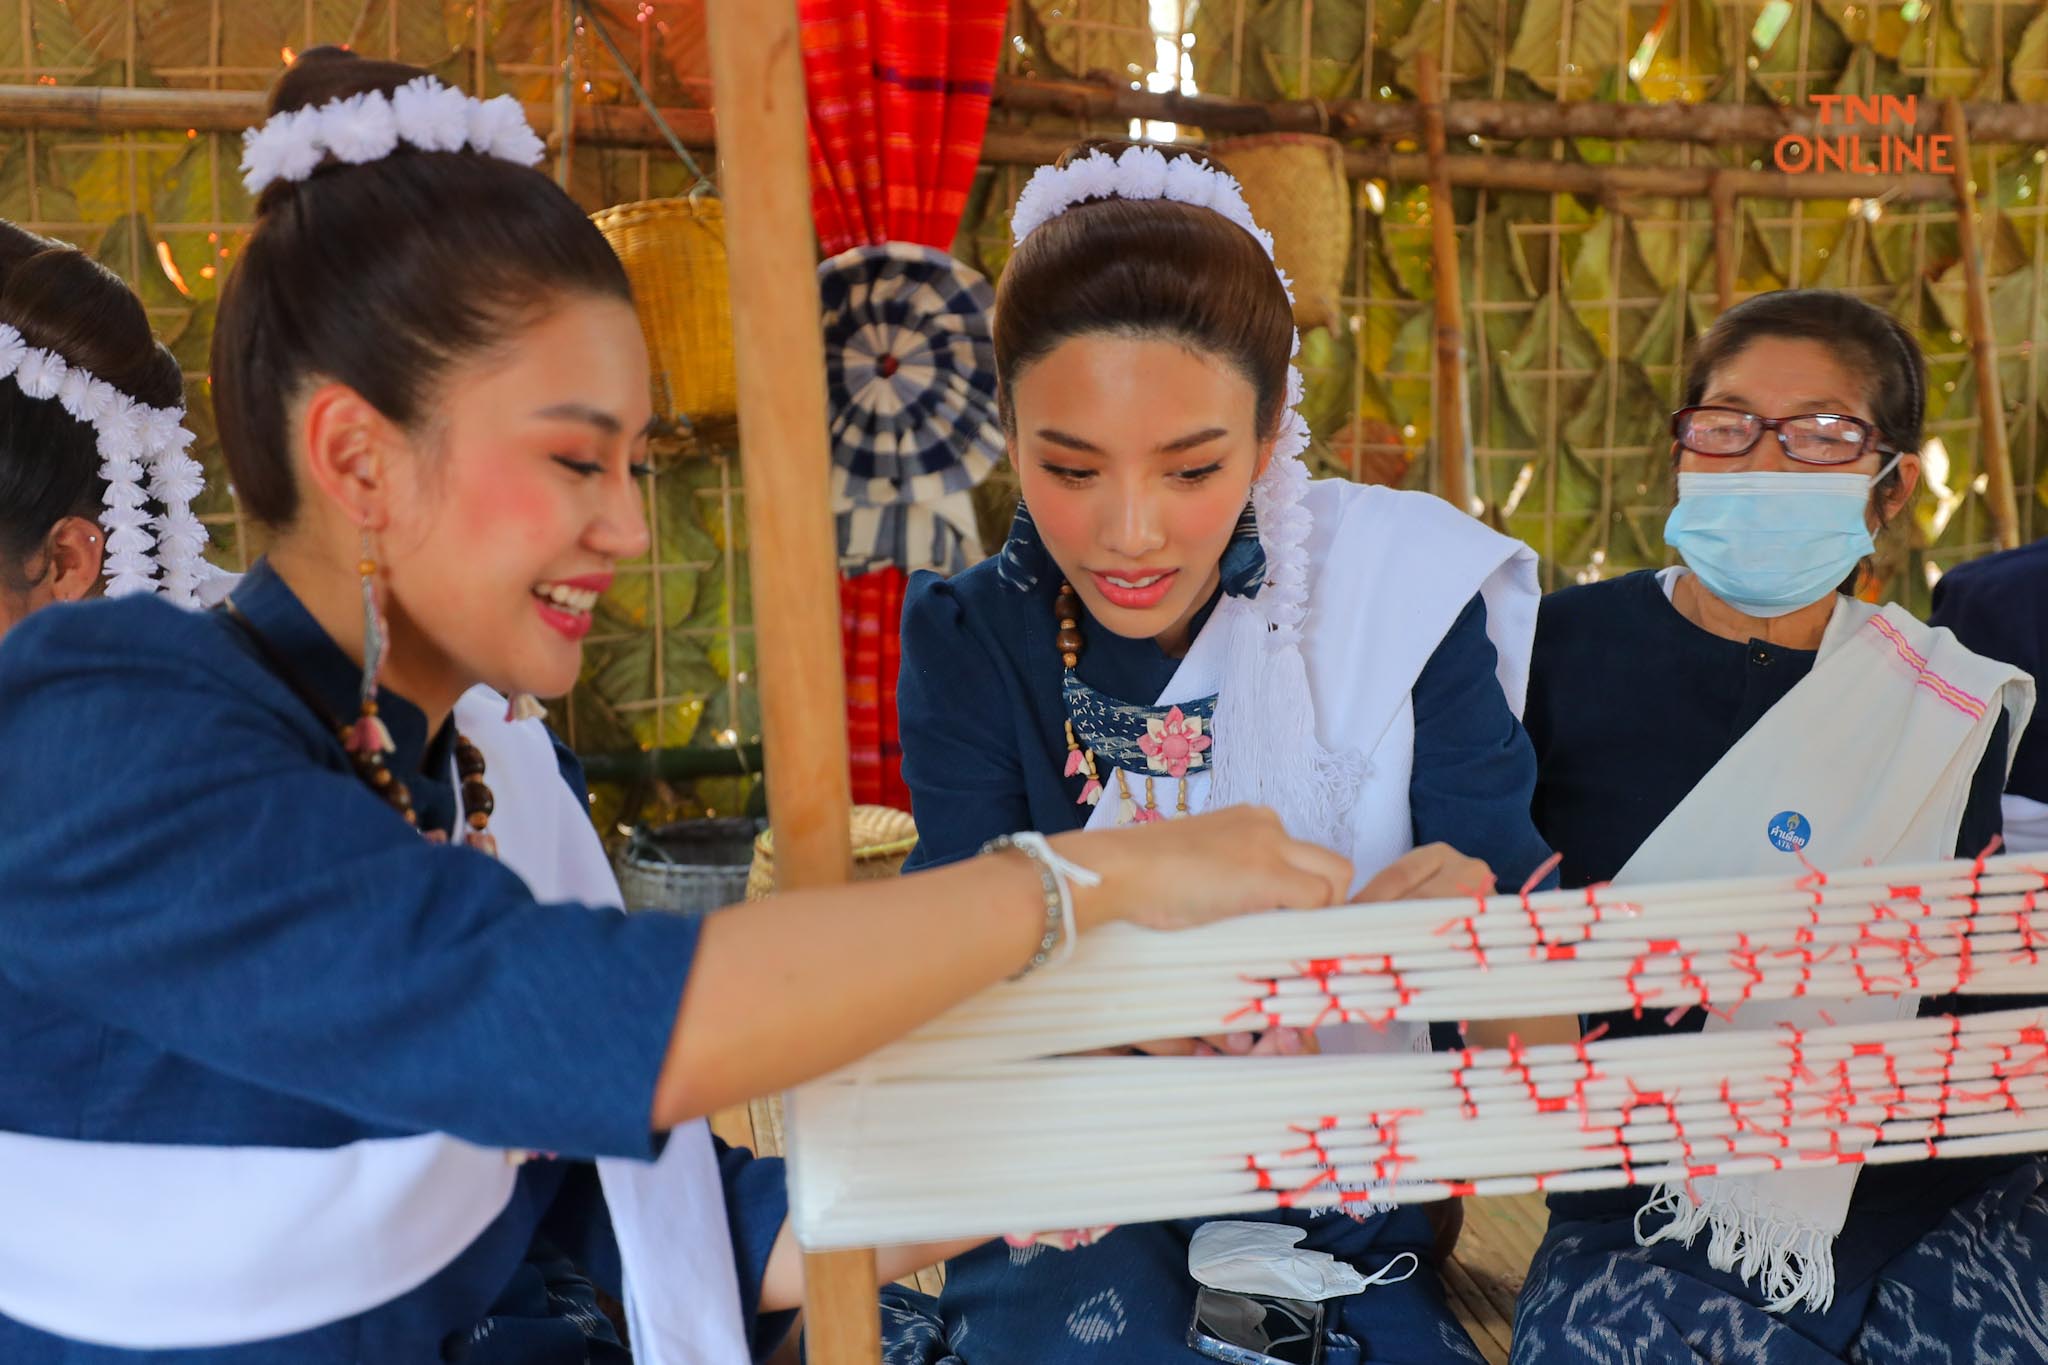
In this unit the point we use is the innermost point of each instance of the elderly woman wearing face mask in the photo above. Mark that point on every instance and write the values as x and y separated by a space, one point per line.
1743 714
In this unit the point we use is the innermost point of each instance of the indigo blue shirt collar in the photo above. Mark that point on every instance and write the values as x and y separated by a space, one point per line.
324 669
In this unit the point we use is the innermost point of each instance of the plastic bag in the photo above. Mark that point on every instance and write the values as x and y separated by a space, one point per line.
1262 1258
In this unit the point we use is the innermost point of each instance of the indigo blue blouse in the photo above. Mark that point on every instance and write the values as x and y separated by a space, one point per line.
214 933
984 752
984 738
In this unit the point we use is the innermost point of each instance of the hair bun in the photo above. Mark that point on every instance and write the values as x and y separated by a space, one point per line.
323 74
62 300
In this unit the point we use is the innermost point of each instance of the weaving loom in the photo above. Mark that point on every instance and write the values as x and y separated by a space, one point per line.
975 1125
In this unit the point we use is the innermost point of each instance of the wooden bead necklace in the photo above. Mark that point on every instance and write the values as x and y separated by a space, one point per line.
478 803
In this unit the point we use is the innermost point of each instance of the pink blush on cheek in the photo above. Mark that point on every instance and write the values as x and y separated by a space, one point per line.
509 509
1065 521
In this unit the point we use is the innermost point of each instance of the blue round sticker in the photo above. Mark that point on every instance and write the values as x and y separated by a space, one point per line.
1790 831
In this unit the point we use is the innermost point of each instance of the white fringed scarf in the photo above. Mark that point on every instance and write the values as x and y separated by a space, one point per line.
1868 760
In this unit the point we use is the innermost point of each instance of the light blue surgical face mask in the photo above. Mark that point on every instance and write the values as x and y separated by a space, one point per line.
1768 544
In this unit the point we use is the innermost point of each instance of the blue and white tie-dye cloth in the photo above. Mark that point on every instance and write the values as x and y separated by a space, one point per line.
1971 1291
1128 1300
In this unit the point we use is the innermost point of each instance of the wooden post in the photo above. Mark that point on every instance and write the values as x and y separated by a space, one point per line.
1991 440
1453 439
1727 241
757 74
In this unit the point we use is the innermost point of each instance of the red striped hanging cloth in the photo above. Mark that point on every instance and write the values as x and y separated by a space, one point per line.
899 96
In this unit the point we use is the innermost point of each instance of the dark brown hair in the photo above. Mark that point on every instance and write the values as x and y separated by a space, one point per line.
1145 268
382 276
1868 342
62 300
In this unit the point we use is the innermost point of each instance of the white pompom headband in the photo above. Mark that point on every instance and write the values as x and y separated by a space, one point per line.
143 455
422 114
1267 751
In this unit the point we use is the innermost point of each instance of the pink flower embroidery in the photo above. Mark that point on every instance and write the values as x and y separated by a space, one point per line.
1173 745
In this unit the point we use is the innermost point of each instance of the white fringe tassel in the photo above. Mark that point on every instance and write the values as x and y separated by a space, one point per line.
1267 752
1746 1237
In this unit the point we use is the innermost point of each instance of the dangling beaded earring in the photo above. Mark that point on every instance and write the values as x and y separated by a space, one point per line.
368 740
1068 641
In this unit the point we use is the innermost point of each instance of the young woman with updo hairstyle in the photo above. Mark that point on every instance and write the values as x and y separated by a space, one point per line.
1746 713
52 547
1129 652
288 1082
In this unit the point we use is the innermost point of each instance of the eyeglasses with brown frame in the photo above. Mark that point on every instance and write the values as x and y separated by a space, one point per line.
1815 438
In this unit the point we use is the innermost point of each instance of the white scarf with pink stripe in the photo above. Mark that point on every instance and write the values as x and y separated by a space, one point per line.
1869 759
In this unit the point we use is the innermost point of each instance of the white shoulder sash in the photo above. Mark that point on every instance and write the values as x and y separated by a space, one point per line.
1867 760
1391 572
668 1215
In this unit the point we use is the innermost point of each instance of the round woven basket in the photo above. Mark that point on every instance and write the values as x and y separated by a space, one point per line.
882 839
689 867
1296 187
674 253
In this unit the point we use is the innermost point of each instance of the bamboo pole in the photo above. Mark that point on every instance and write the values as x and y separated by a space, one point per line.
1668 182
114 109
109 109
1991 438
1727 241
1506 120
1453 439
756 66
103 109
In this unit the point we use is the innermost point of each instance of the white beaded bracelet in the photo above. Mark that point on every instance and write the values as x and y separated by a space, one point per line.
1058 877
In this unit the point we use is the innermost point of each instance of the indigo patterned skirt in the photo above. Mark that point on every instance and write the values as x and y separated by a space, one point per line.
1128 1300
1969 1287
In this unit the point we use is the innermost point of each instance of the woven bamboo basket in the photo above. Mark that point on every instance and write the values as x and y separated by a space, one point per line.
689 867
1297 190
882 839
674 253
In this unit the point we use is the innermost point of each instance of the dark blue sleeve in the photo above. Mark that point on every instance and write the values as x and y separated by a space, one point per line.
966 786
1983 816
1998 607
217 891
756 1207
1475 770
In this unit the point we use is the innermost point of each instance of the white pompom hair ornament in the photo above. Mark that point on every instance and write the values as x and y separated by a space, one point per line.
143 454
356 129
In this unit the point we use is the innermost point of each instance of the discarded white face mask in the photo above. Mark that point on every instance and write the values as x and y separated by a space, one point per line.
1262 1258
